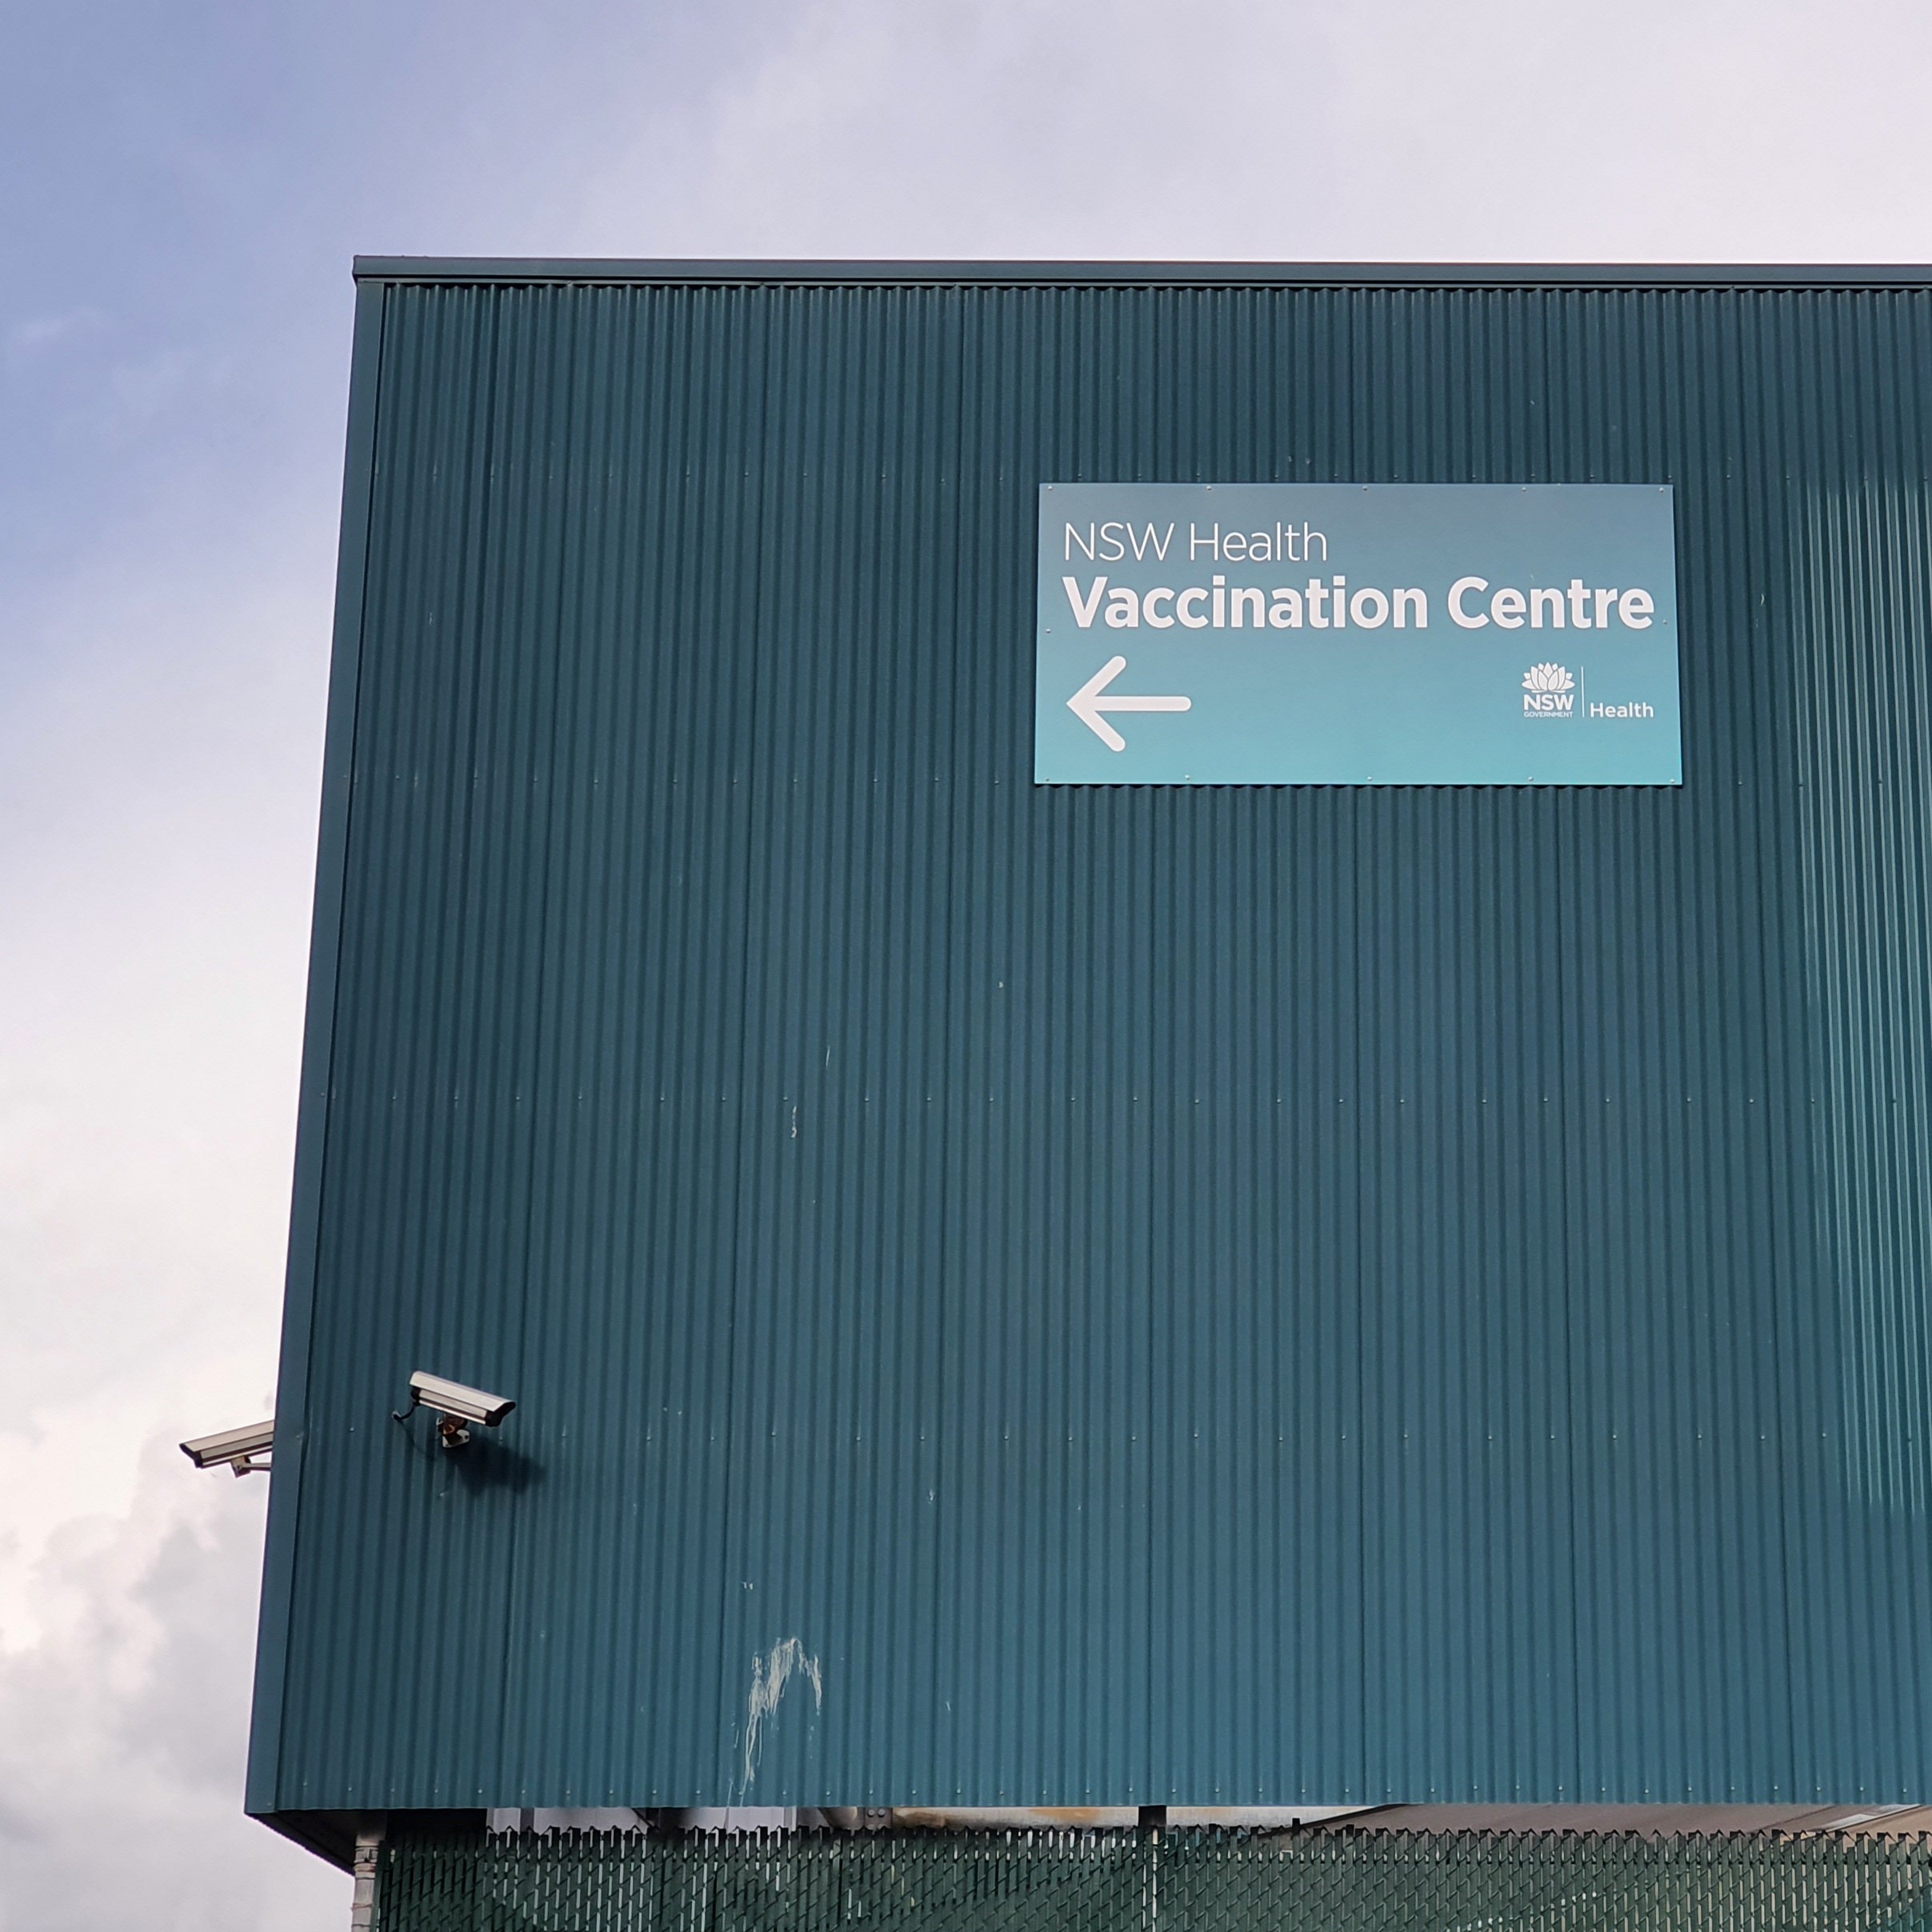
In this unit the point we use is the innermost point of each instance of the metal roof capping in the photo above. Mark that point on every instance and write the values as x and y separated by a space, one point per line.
474 270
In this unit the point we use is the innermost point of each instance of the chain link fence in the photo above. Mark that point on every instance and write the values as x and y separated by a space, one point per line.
1153 1881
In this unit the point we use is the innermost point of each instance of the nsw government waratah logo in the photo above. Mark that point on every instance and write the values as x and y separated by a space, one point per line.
1549 691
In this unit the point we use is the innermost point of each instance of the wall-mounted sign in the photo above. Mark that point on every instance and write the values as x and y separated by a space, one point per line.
1382 634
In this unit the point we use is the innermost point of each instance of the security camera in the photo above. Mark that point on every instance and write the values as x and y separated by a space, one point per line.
456 1406
235 1449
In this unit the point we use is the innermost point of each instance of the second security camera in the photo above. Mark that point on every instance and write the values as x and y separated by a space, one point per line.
456 1404
246 1451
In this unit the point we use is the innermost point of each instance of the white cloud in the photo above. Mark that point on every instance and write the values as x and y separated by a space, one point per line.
160 727
159 800
35 333
123 1731
1507 130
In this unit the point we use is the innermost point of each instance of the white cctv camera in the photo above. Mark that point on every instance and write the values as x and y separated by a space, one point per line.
456 1404
235 1449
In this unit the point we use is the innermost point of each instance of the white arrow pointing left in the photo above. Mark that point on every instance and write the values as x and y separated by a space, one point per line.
1087 704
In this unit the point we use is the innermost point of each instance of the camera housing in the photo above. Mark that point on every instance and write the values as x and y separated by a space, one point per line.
456 1406
245 1450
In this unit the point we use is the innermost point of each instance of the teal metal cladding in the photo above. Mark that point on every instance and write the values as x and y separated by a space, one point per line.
1022 1295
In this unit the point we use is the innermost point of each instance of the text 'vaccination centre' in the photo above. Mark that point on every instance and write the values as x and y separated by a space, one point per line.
1116 1103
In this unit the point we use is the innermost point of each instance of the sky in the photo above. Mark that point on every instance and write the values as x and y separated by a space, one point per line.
181 190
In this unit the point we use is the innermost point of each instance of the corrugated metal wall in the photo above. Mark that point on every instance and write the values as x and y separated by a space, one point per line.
1235 1296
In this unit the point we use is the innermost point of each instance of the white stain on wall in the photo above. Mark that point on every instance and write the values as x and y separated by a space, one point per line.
770 1675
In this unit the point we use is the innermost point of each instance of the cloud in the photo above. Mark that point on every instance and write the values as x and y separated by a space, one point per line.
35 333
123 1731
160 716
157 788
1510 130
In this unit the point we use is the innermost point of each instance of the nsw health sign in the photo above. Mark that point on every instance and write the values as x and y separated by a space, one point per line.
1380 633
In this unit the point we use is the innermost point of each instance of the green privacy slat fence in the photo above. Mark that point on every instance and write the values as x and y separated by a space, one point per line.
1166 1882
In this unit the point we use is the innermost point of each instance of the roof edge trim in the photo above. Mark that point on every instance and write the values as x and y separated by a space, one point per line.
1061 274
